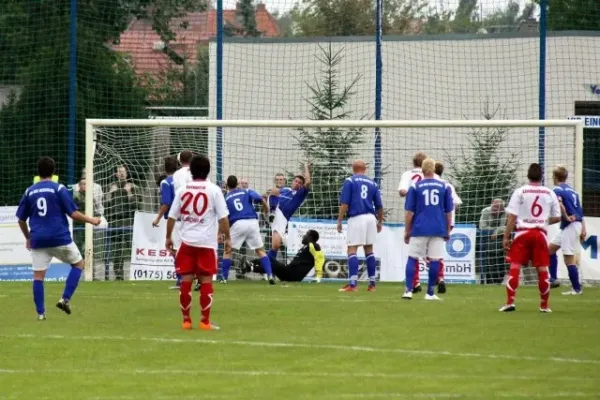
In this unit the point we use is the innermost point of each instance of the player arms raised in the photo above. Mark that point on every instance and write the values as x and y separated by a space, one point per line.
428 222
572 230
360 200
201 207
46 205
530 209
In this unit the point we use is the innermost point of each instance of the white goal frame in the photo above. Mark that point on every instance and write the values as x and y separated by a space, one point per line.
91 124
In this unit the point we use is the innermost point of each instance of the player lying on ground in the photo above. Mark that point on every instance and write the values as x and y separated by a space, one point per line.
243 222
439 170
360 200
530 209
46 205
308 257
201 207
290 199
572 231
428 222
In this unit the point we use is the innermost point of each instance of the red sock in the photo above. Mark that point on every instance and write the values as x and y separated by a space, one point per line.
441 273
185 299
206 300
544 286
416 276
512 283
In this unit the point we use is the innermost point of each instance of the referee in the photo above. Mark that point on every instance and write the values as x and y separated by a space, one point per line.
308 257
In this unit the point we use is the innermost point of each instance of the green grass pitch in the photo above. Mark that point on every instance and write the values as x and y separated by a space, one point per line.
124 341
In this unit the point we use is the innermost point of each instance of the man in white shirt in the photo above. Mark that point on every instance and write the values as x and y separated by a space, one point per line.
182 176
413 175
201 208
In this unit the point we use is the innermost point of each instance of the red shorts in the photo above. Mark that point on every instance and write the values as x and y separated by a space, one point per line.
531 246
199 261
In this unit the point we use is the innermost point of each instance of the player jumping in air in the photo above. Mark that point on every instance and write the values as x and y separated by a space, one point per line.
46 205
572 231
428 222
167 194
530 209
360 200
201 207
243 221
290 199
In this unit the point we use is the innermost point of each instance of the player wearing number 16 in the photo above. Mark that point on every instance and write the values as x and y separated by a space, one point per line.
360 200
201 208
46 205
428 222
530 209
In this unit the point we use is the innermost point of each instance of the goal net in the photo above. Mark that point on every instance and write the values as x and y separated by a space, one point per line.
485 160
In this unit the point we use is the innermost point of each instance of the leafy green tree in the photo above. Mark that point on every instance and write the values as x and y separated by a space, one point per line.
576 15
247 12
465 17
484 171
509 18
285 22
330 150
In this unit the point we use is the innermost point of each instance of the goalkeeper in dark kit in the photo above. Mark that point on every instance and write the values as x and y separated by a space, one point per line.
308 257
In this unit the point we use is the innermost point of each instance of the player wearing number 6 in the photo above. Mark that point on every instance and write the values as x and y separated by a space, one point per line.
428 222
243 221
46 205
201 208
360 200
530 209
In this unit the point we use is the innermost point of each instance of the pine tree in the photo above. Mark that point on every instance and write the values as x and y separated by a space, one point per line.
485 171
247 13
331 150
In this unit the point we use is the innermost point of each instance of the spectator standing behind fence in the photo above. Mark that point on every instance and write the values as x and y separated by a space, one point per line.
122 200
492 224
79 227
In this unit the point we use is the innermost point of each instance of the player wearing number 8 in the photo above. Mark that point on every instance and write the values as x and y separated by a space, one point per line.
201 207
360 200
429 207
244 226
530 209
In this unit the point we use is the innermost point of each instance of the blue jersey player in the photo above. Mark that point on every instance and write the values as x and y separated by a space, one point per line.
290 199
572 231
360 200
46 205
428 222
244 227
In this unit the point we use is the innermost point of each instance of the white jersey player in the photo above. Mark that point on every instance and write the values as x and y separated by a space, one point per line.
529 211
201 208
413 175
439 170
183 176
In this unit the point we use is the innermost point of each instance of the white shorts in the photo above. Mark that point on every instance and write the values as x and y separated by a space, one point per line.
568 239
279 224
362 230
433 248
246 230
68 254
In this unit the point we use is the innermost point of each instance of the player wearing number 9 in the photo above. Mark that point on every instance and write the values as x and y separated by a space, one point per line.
428 220
530 209
46 205
201 208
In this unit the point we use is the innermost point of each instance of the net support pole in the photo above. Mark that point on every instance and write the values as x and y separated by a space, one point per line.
219 91
378 87
542 84
578 178
72 94
89 200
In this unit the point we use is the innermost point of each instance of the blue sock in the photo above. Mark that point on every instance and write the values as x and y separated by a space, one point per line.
225 267
38 296
574 277
178 283
371 268
553 267
71 283
353 269
265 263
434 269
272 254
411 269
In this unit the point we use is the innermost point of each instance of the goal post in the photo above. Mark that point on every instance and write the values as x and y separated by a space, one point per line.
258 149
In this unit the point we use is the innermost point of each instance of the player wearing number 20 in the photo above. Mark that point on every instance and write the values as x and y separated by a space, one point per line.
201 208
428 222
46 205
360 200
530 209
243 221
